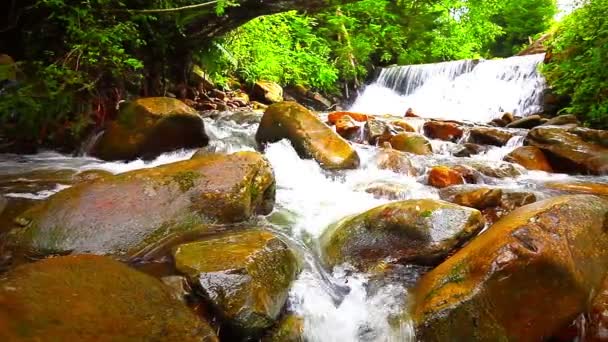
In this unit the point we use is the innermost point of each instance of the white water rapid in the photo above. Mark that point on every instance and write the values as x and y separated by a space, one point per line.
475 90
341 305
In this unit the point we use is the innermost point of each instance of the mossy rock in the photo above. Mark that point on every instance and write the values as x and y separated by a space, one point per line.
86 297
121 214
523 279
412 143
310 137
245 275
413 231
268 92
148 127
289 329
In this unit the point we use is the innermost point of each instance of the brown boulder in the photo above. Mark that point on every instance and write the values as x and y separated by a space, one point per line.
526 122
567 119
443 130
443 176
310 137
268 92
570 151
121 214
404 125
92 298
523 279
489 136
473 197
347 128
148 127
396 161
530 157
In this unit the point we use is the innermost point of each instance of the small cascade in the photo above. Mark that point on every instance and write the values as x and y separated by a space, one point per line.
475 90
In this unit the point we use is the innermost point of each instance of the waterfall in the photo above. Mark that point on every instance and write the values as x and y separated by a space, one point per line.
475 90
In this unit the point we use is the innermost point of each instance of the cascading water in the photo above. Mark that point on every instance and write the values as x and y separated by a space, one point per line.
337 305
475 90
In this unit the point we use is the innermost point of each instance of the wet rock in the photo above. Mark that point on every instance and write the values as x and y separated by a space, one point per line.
443 130
413 231
579 187
594 136
569 152
473 197
396 161
258 106
526 122
308 98
121 214
244 275
443 176
268 92
521 280
513 200
289 329
567 119
147 127
86 297
498 122
495 169
90 175
596 327
404 125
467 150
507 118
410 113
412 143
335 116
386 190
347 128
530 157
376 130
489 136
310 137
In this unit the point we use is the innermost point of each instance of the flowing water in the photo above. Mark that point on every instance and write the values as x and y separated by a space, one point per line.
477 90
340 304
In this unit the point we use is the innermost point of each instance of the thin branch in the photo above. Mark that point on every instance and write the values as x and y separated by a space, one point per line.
167 10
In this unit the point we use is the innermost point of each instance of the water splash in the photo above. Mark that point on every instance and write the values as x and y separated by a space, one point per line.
461 90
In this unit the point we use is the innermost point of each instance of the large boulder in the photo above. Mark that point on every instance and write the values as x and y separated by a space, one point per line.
526 122
310 137
244 275
580 187
87 297
147 127
412 143
413 231
121 214
489 136
268 92
522 279
572 151
530 157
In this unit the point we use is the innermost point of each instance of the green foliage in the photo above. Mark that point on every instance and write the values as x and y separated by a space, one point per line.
520 20
578 67
282 48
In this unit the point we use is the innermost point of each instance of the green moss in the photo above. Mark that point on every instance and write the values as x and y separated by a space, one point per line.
185 179
427 213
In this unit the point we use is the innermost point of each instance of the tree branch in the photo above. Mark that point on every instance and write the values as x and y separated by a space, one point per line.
167 10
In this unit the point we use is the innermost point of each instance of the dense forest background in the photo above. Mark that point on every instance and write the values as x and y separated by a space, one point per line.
75 59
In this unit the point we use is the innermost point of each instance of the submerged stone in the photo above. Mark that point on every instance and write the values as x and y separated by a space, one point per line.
245 275
412 231
310 137
121 214
86 297
524 278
